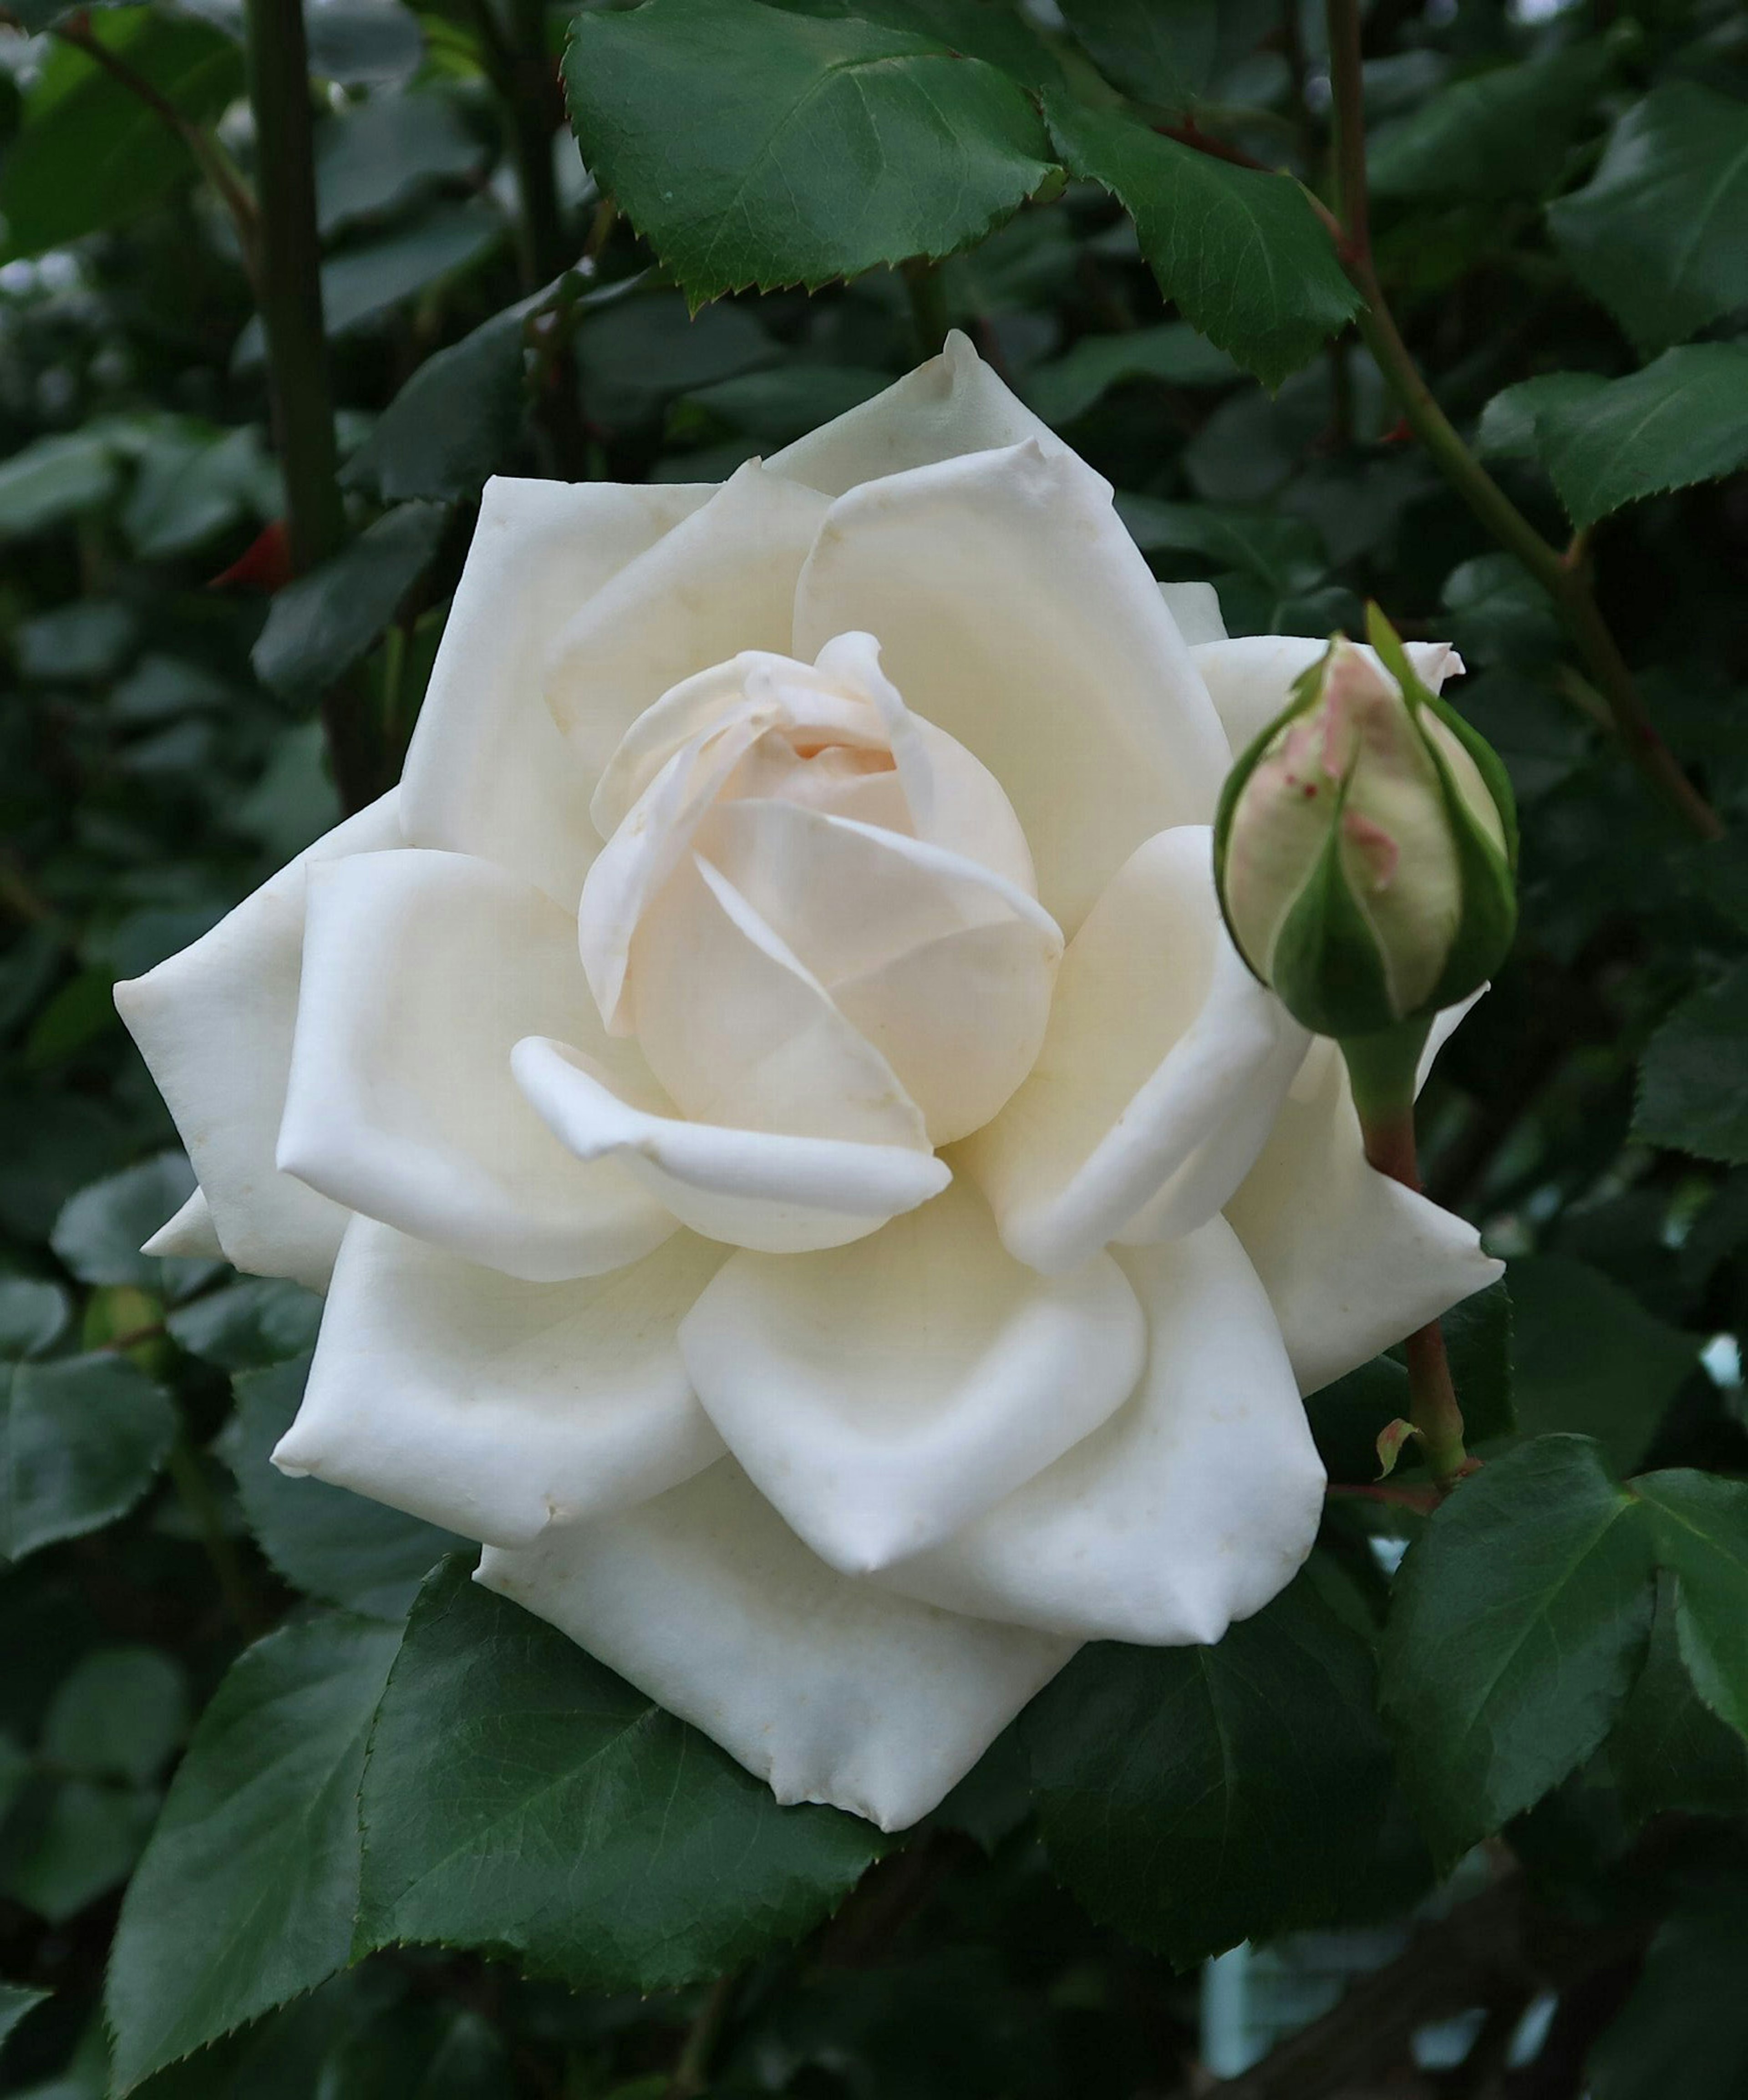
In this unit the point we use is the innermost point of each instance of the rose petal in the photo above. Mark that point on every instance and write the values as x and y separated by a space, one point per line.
740 1032
421 970
496 1407
720 583
1249 679
754 685
883 1393
1352 1261
945 968
487 772
1196 609
952 405
780 1194
1191 1507
828 1688
215 1024
1015 613
189 1235
1161 1072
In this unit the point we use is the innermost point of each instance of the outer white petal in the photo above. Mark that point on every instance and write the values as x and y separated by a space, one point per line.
1351 1260
1161 1073
190 1233
215 1024
1196 609
487 772
740 1032
1191 1508
1251 678
722 583
881 1394
1014 613
828 1688
952 405
421 970
496 1407
944 966
777 1193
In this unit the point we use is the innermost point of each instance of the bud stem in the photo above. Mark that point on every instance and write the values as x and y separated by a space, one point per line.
1382 1069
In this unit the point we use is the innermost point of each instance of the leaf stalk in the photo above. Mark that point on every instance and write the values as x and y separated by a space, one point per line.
1566 582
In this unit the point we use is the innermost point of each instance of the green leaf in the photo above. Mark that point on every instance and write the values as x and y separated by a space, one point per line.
777 406
99 1232
1656 234
195 483
521 1797
248 1890
1161 51
33 1315
325 1540
1508 423
421 2052
993 30
54 480
378 156
1282 553
81 1441
1195 1797
325 623
1668 1750
1518 1621
1682 420
15 2000
1503 135
1693 1077
355 43
456 421
92 153
1589 1358
846 144
362 282
117 1714
1241 252
255 1322
1683 2030
1699 1524
74 1842
1173 354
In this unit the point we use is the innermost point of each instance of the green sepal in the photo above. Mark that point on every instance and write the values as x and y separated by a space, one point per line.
1327 969
1488 923
1491 767
1307 690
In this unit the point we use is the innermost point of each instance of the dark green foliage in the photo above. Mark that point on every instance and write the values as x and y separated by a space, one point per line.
848 144
246 1894
1519 1621
322 1540
520 1797
1238 249
340 1828
1195 1797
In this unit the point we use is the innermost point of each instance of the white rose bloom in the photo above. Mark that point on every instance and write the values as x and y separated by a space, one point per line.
798 1168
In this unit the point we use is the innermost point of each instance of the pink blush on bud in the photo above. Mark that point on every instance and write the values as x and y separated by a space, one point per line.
1377 852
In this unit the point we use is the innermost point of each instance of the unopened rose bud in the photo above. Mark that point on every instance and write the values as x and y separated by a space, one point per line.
1365 847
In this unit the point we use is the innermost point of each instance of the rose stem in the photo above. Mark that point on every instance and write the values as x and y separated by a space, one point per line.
928 290
1564 575
1382 1069
290 292
232 191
